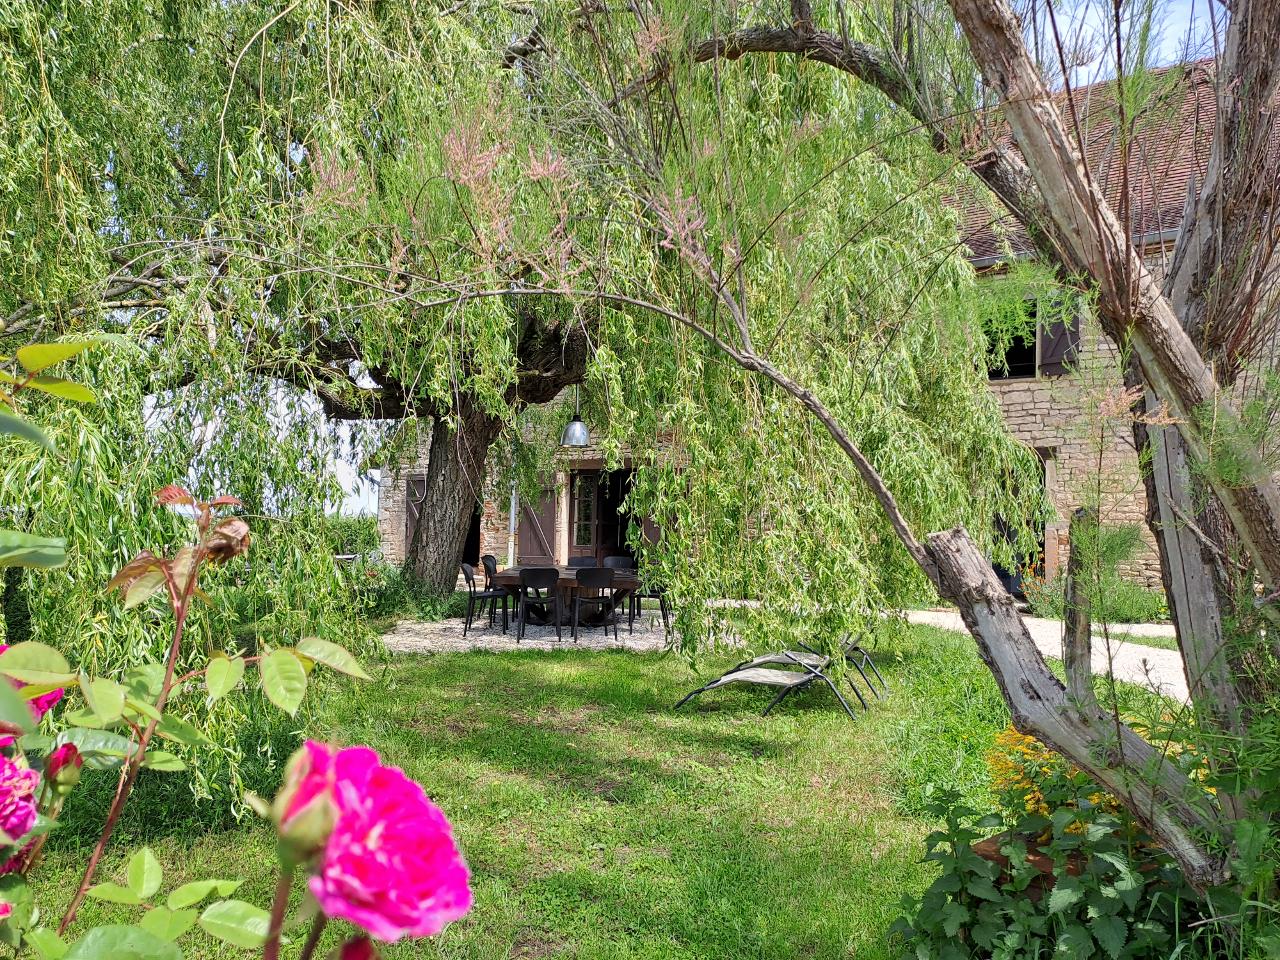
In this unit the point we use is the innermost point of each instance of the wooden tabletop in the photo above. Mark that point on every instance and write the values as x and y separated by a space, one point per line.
622 579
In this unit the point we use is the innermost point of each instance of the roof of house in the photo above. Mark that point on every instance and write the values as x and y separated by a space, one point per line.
1169 150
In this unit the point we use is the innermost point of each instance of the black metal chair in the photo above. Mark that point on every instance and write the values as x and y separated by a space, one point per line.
540 588
582 561
620 563
635 608
490 564
476 600
596 578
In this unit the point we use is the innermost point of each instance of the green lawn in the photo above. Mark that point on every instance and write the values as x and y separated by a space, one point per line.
600 823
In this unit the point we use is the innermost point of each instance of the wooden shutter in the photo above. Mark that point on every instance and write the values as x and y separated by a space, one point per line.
415 490
1059 346
537 531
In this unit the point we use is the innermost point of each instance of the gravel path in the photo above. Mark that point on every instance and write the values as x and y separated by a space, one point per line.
412 636
1161 670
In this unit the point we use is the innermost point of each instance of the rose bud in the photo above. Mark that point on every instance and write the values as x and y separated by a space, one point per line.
304 809
62 769
357 948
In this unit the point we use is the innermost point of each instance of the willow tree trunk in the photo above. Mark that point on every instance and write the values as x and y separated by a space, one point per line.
453 488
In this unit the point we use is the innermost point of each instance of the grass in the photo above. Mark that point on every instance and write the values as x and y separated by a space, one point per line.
600 823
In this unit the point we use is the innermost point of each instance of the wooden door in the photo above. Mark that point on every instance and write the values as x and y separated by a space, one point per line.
536 533
584 513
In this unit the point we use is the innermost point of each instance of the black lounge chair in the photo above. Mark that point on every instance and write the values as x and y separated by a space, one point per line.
812 667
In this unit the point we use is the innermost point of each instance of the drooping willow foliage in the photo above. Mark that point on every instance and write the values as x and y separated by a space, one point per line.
325 192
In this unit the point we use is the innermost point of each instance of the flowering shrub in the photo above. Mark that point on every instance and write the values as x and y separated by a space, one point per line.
1060 869
379 854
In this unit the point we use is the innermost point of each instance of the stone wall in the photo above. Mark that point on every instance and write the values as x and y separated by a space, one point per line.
1085 458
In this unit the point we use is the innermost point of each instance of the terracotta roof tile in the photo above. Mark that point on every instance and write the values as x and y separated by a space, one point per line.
1169 151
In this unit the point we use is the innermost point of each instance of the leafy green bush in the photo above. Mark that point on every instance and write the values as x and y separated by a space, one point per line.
1119 601
1115 599
1106 893
387 593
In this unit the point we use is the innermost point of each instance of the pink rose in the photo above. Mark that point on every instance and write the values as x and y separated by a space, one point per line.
18 786
390 864
6 909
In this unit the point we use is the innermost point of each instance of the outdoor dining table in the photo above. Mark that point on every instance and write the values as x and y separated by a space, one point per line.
625 582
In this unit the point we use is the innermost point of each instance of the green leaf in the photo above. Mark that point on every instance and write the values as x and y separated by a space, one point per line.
143 588
63 389
145 681
189 894
179 731
222 676
101 749
14 709
105 698
1062 896
1111 933
114 893
236 922
47 944
333 656
168 924
123 943
142 708
36 663
39 356
25 429
284 680
162 761
144 873
24 550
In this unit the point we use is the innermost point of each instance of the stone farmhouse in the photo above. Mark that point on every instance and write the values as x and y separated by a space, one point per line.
1048 389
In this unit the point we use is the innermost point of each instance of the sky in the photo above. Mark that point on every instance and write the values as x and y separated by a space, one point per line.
1184 33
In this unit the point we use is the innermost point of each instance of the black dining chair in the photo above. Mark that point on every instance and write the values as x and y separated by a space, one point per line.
596 578
540 587
490 564
582 561
476 600
636 607
620 563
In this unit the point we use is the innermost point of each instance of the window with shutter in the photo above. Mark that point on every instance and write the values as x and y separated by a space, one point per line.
1059 344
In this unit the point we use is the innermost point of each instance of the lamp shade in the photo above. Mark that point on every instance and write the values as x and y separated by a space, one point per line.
575 433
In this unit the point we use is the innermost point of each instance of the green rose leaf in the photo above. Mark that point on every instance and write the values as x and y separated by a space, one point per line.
105 698
333 656
222 676
144 588
63 389
179 731
24 550
145 681
144 873
113 893
284 680
14 709
189 894
236 922
123 943
168 924
39 356
25 429
47 944
101 749
165 762
38 664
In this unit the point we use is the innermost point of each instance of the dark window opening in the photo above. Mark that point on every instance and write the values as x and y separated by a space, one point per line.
1049 351
471 549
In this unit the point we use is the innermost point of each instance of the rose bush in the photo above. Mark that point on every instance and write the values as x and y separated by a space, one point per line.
376 851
